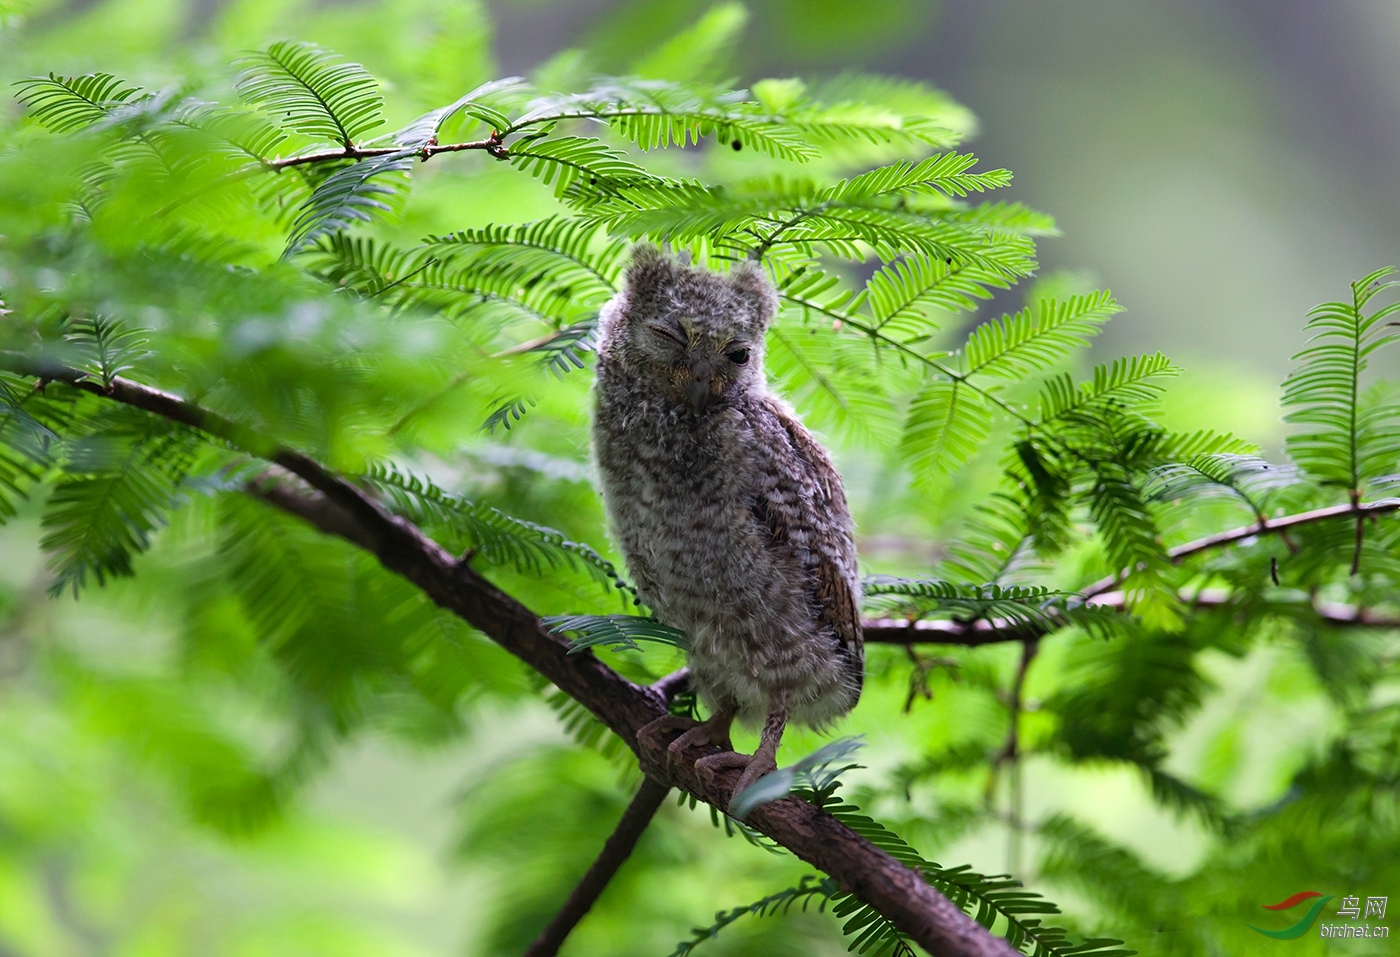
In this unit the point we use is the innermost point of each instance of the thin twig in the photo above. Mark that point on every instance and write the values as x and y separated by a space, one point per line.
900 631
492 144
1011 754
876 335
1360 528
668 686
616 850
1277 526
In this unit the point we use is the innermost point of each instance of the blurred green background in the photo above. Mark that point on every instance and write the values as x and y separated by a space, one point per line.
1221 166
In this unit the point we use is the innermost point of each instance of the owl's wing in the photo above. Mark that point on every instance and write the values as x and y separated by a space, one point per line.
823 506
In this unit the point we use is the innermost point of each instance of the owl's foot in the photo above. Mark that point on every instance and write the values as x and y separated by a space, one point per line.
712 764
649 735
755 766
714 730
763 761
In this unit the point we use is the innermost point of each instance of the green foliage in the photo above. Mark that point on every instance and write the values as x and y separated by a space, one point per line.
1248 478
111 349
814 773
809 890
1030 341
1347 440
25 449
312 91
989 898
116 491
346 197
374 299
615 631
481 529
1035 608
65 104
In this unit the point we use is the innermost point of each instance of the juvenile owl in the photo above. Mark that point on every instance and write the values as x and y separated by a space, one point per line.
731 516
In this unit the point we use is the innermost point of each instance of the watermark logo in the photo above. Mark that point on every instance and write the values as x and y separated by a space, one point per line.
1304 923
1351 908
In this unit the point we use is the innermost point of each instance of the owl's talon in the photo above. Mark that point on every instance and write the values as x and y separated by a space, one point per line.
713 731
710 765
754 769
649 734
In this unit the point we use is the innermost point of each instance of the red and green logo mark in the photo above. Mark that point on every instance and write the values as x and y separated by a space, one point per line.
1304 923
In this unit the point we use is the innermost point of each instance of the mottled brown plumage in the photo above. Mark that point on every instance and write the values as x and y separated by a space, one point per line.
730 514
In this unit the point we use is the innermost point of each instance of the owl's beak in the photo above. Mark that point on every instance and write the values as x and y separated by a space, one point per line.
699 393
702 385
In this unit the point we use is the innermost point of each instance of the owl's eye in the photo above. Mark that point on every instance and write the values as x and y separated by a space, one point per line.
665 333
739 356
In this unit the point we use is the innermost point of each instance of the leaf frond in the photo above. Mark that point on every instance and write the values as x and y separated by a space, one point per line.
615 631
313 91
66 104
487 531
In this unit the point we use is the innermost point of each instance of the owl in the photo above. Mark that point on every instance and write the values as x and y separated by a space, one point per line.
730 515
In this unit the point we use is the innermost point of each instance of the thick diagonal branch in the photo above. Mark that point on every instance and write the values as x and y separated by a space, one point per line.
616 849
339 508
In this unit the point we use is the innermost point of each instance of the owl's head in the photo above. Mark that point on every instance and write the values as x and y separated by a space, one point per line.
695 335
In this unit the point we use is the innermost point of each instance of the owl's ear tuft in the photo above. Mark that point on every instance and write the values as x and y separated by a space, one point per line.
649 270
753 284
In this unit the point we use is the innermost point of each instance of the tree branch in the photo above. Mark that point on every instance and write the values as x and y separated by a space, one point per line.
616 850
492 144
1278 526
899 631
339 508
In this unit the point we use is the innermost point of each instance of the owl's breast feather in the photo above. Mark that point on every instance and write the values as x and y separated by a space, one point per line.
679 494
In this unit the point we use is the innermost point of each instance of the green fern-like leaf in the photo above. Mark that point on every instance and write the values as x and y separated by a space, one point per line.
615 631
579 168
1344 442
788 213
117 492
497 537
991 544
1133 542
810 890
833 379
584 727
1033 339
313 91
817 772
364 265
65 104
1038 609
25 449
568 252
943 175
658 113
349 196
987 898
242 132
112 348
900 292
946 425
1130 380
1249 478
